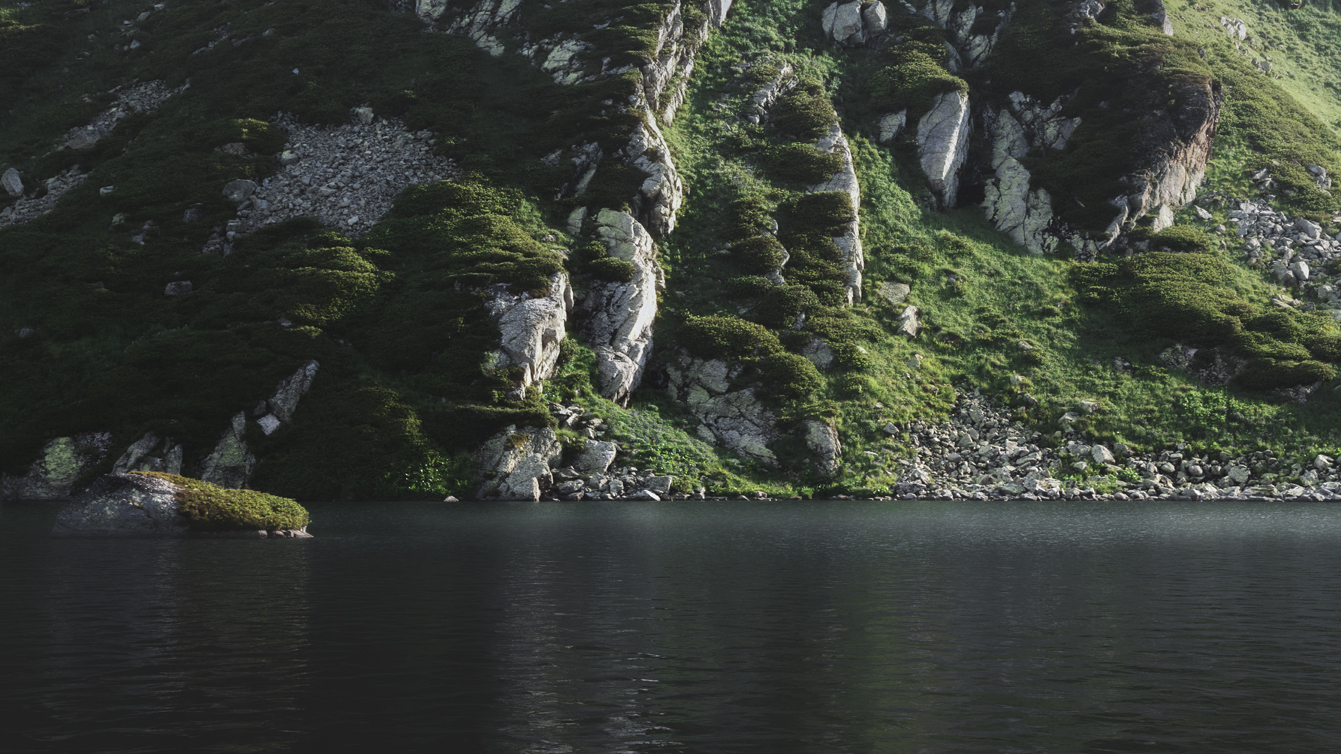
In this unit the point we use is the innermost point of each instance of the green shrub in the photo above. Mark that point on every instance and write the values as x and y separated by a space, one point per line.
727 337
805 113
825 212
1270 374
788 377
917 75
210 508
804 163
750 217
761 254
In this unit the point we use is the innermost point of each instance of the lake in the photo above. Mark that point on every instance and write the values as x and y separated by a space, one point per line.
685 627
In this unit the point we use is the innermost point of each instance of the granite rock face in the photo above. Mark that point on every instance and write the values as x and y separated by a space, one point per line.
150 453
942 142
532 329
231 463
732 418
123 505
53 475
619 327
516 463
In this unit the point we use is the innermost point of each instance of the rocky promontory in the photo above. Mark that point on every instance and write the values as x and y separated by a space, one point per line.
156 505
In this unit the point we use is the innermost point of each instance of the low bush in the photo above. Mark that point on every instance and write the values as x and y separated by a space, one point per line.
804 163
758 255
806 113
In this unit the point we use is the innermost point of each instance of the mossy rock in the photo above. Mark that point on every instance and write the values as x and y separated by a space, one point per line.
209 508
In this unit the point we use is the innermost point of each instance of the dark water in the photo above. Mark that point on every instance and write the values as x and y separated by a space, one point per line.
741 627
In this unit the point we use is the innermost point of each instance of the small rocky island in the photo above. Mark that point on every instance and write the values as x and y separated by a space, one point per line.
155 504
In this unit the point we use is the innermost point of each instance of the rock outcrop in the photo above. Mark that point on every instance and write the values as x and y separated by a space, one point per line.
516 463
1171 152
853 24
139 506
821 439
53 475
150 453
123 505
619 327
845 181
731 418
1012 203
942 143
231 463
531 329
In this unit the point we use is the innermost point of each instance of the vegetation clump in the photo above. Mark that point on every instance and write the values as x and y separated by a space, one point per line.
211 508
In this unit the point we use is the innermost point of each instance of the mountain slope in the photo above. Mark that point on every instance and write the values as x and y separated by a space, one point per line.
754 246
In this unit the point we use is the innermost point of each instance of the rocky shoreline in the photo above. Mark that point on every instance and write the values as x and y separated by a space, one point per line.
977 453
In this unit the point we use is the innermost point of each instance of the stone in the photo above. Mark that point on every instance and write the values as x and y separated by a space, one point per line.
818 352
123 505
12 182
268 423
875 18
645 495
847 27
894 293
138 506
661 485
1202 213
891 125
364 115
62 461
845 181
178 289
106 191
908 323
821 439
596 457
619 325
239 190
231 463
1101 455
285 400
531 329
150 453
1089 407
942 140
516 463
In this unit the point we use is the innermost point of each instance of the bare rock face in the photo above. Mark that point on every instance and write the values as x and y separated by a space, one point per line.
231 463
516 463
767 95
123 505
531 328
12 182
1012 204
942 141
822 440
733 418
852 24
845 181
596 457
662 193
150 453
621 314
1172 152
53 474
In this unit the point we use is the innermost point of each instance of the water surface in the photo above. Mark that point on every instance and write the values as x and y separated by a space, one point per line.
704 627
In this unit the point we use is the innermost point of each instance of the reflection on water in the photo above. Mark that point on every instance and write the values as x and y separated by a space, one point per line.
778 627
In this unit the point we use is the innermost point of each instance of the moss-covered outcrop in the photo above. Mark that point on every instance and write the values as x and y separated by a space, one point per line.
156 504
